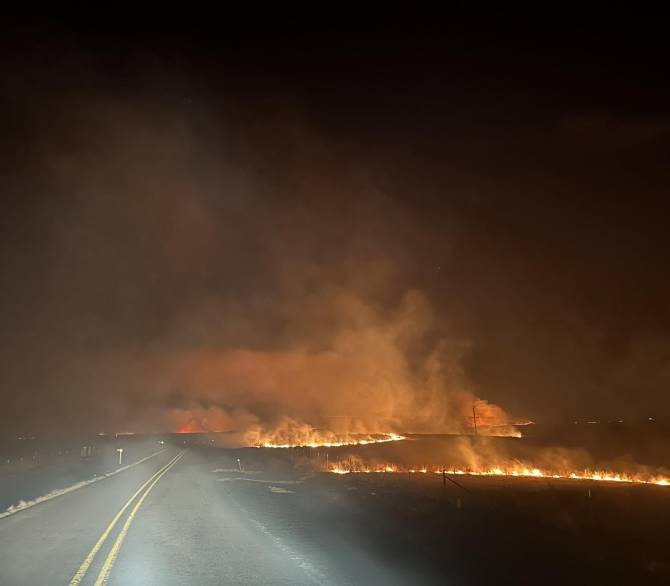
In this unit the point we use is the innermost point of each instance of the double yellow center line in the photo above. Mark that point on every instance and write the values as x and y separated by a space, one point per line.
144 490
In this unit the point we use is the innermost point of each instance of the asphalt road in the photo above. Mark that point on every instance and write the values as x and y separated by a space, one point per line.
217 516
184 531
204 517
171 520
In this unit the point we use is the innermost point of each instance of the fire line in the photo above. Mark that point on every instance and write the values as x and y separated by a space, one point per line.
522 472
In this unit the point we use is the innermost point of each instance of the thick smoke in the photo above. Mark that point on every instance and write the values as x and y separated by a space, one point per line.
356 378
193 282
175 203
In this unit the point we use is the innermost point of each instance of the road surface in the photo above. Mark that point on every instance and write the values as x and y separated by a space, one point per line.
169 520
205 517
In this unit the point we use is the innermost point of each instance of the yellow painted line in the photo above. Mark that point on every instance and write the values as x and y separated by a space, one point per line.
114 552
81 572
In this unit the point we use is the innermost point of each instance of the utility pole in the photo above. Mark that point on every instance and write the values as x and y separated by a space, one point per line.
474 418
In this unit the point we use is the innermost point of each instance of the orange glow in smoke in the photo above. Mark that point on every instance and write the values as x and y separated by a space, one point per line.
190 427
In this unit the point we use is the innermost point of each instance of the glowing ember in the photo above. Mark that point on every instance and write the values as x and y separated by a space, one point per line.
334 441
521 471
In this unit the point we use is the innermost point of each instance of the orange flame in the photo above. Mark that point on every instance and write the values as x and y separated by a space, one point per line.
329 440
507 471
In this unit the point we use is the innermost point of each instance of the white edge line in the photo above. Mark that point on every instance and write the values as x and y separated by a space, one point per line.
23 505
303 562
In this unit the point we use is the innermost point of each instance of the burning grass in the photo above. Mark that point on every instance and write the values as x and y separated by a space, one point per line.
492 457
504 471
329 440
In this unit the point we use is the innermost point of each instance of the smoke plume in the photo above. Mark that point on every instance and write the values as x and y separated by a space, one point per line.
195 283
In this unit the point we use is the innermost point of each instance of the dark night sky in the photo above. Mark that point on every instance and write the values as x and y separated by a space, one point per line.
177 190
